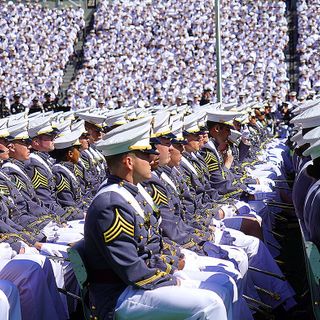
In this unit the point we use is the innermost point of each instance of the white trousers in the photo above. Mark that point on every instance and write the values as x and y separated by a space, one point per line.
249 244
170 303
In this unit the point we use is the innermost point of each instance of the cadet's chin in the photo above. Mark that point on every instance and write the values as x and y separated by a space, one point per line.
148 175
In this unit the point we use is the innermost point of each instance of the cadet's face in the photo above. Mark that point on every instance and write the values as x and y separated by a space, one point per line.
164 149
224 133
141 169
237 125
95 134
193 142
44 143
20 150
205 138
84 140
74 155
201 141
4 151
176 154
154 161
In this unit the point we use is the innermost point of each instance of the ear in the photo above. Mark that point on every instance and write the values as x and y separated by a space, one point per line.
35 141
128 161
11 147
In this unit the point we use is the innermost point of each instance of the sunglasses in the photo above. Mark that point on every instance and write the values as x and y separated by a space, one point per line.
23 142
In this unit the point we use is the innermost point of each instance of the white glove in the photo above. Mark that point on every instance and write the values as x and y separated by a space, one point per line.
265 195
28 250
252 188
217 236
50 231
266 182
51 250
6 252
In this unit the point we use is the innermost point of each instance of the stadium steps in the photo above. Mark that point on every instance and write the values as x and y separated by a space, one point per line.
292 58
75 63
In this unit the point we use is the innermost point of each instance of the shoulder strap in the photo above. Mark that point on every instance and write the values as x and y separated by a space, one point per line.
148 198
37 157
166 178
189 165
89 154
67 171
16 168
211 146
124 193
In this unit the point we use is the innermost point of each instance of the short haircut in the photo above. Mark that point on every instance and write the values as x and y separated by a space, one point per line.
211 124
114 160
60 154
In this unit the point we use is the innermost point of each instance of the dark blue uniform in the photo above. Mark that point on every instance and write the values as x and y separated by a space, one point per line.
122 248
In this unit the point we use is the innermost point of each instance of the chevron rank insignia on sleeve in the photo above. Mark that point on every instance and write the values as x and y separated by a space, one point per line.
198 169
39 179
4 190
63 185
118 226
158 196
210 158
78 172
86 163
20 184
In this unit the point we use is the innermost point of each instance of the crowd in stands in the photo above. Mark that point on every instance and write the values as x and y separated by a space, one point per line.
158 52
308 46
35 46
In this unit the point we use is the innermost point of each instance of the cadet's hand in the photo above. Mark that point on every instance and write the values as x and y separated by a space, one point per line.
228 159
178 282
38 245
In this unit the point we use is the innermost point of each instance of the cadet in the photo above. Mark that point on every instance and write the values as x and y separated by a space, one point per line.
121 271
68 173
39 168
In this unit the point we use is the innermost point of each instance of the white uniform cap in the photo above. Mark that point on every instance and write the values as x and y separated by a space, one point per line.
78 126
19 131
131 136
191 122
313 134
40 125
67 139
161 125
115 118
221 116
92 118
314 150
308 118
177 129
4 132
62 126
